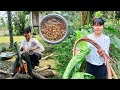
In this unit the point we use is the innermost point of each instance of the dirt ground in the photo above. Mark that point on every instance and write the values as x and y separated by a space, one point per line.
7 65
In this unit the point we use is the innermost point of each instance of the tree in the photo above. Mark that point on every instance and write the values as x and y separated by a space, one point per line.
114 14
3 24
84 18
117 16
20 21
10 28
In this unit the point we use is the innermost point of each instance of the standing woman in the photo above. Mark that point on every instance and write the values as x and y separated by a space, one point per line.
95 62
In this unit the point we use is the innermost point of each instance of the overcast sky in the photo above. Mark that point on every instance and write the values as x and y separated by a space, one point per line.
3 14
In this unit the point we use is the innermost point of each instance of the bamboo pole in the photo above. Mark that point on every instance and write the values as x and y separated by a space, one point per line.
108 67
113 72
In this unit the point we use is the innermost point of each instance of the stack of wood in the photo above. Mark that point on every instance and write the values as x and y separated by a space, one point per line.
38 73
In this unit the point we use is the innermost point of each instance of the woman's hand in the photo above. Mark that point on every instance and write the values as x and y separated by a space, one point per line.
31 49
76 51
22 48
101 52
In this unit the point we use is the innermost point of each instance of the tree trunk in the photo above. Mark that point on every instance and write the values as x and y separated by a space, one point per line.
35 18
114 16
84 18
81 22
10 28
91 16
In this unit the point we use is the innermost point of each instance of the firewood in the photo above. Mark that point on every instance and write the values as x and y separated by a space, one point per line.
47 56
38 76
44 68
3 72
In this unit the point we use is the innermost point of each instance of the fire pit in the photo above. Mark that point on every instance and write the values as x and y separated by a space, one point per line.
53 28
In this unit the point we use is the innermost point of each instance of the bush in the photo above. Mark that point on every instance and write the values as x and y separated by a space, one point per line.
63 51
35 31
3 49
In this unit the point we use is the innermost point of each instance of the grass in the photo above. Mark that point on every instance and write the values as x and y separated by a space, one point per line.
4 40
41 40
4 31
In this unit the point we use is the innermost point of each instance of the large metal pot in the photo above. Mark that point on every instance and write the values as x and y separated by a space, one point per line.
50 16
6 55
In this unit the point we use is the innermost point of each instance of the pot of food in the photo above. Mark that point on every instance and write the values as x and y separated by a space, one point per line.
53 28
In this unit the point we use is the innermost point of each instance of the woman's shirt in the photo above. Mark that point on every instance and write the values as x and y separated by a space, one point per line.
94 58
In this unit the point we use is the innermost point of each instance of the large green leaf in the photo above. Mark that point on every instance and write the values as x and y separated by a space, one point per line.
115 41
76 68
73 62
81 34
82 75
78 34
110 29
76 61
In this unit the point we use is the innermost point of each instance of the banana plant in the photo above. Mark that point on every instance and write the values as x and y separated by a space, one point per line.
73 67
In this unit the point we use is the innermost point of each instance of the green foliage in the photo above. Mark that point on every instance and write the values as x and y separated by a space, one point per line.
35 31
3 49
20 21
82 75
81 34
77 60
117 16
98 14
73 18
73 62
3 23
114 34
82 46
63 52
64 55
114 53
115 41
